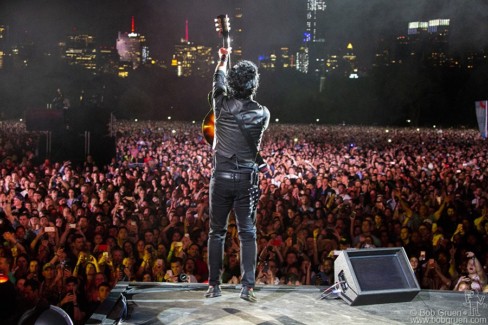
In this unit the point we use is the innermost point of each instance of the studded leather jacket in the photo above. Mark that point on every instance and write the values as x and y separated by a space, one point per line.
229 142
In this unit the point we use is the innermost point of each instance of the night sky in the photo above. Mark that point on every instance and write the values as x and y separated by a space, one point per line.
269 23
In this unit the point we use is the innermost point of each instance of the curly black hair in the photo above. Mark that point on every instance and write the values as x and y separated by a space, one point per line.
243 79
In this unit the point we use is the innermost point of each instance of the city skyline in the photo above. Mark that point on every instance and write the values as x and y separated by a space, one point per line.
163 22
446 62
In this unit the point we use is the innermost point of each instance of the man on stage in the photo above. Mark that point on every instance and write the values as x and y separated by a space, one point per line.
239 126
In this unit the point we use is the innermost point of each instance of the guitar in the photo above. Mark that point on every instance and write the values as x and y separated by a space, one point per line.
222 25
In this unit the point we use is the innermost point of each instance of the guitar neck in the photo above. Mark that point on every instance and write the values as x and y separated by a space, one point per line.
226 44
222 24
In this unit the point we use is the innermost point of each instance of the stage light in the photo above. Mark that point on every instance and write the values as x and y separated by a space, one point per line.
136 120
277 120
8 303
169 117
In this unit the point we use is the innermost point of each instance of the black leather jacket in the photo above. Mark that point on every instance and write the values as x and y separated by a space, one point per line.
229 142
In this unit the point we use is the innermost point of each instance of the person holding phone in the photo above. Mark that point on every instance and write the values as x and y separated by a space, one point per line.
176 274
73 302
433 277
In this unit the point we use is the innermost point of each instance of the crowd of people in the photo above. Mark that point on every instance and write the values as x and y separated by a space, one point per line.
73 230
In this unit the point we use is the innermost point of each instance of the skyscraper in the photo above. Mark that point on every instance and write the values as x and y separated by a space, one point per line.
80 50
107 60
350 64
417 27
429 41
314 39
236 32
131 47
3 36
303 59
439 42
315 9
3 33
191 59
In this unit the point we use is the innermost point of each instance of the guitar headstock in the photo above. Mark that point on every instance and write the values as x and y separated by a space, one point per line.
222 25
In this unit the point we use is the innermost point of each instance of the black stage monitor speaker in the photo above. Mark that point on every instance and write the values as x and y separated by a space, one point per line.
375 276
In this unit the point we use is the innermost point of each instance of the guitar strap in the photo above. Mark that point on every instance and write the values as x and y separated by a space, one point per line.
254 191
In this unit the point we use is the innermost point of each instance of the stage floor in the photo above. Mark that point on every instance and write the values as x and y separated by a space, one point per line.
162 303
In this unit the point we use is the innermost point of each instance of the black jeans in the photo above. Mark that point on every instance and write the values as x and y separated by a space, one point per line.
226 194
